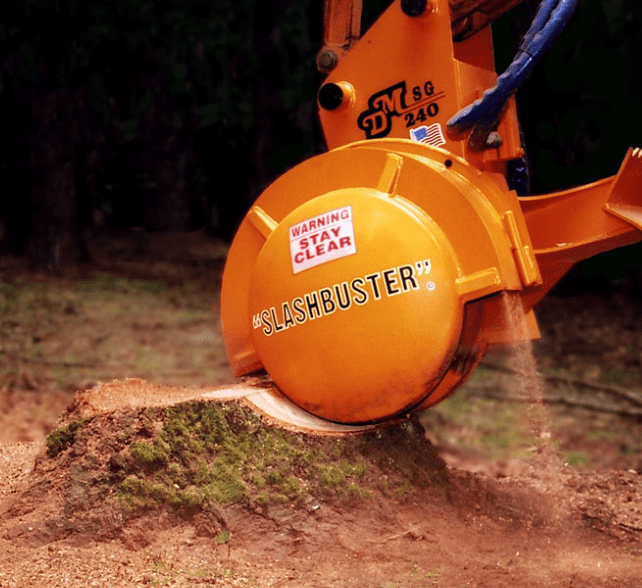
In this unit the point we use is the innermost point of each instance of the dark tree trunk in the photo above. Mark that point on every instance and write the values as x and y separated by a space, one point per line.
44 105
13 202
164 191
54 238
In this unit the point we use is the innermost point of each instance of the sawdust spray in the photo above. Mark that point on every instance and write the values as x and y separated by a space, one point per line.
526 385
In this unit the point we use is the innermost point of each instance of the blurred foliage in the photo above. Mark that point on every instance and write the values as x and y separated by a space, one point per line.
197 54
218 98
166 80
580 112
580 109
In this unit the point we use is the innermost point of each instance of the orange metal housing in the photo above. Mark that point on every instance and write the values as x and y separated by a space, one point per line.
368 281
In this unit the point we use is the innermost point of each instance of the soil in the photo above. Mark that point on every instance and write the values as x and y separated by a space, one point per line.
482 518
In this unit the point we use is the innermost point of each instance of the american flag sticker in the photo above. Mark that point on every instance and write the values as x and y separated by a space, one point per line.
432 135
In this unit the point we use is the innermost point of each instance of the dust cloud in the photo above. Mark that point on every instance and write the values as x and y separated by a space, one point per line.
524 383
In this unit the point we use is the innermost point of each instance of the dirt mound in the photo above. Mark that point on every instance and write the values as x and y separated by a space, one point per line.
190 492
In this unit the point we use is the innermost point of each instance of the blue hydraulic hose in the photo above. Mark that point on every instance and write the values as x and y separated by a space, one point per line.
538 40
542 15
551 18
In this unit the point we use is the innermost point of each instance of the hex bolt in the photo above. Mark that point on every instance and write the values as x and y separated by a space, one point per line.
494 140
327 60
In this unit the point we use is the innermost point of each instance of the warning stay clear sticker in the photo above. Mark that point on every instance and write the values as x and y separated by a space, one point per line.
322 238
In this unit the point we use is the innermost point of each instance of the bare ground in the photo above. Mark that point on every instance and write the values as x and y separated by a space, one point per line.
564 510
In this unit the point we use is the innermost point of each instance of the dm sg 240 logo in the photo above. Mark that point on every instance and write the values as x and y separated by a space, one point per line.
394 101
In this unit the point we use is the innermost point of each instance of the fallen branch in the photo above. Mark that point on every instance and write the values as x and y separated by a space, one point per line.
630 528
487 392
632 397
69 364
56 362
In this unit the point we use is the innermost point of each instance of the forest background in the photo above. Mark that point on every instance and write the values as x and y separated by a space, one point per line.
174 116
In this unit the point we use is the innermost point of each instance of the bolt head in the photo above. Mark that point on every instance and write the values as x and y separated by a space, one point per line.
414 7
494 140
327 60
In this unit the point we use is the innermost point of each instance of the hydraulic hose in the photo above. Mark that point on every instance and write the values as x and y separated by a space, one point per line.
483 114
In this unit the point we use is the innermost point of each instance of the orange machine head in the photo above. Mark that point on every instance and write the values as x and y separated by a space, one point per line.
366 281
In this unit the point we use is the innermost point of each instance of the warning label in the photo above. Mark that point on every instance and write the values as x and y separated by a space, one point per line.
322 238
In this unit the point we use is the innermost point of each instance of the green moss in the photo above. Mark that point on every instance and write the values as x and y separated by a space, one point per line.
291 486
177 475
278 498
187 462
273 477
191 498
353 469
262 498
226 485
195 428
186 456
258 480
144 493
356 492
223 537
64 437
149 455
403 489
330 475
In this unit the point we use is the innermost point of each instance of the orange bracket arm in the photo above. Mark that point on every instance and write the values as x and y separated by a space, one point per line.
342 24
